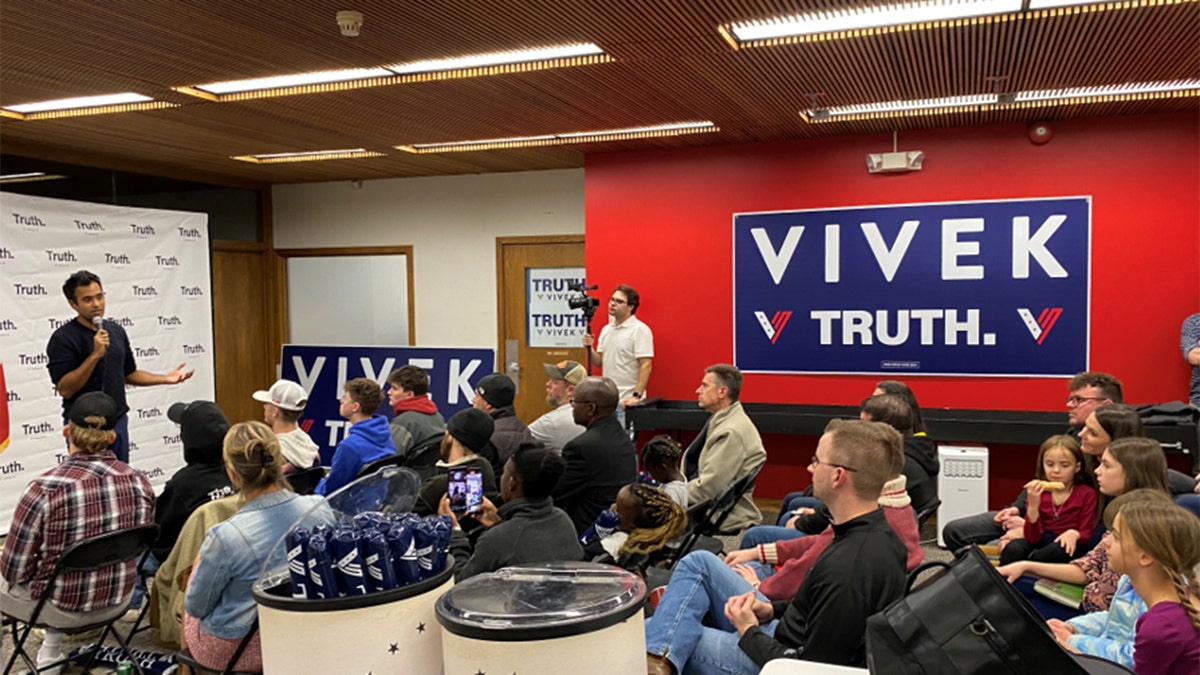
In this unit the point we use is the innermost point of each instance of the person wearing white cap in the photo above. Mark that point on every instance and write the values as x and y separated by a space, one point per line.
557 428
283 404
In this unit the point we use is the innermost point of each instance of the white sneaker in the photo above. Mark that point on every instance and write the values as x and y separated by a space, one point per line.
43 659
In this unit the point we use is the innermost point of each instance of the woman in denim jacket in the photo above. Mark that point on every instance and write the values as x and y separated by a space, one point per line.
220 608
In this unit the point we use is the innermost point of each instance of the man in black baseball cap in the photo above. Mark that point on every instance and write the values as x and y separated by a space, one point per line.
202 428
494 395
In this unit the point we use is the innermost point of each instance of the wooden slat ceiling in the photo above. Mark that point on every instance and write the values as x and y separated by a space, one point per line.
669 65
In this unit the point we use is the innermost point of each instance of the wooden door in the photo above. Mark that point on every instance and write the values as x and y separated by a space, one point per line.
241 318
514 256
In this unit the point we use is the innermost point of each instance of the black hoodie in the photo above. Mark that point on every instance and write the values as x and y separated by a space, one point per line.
921 470
202 428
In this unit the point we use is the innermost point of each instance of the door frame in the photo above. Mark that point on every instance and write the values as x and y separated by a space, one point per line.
501 242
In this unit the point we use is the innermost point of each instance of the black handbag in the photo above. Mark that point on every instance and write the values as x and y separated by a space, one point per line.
965 619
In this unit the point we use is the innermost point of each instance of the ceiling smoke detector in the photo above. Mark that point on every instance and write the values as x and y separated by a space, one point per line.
350 22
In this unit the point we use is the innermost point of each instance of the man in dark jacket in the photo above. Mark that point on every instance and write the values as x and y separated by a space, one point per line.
467 433
202 428
494 395
528 528
417 422
600 460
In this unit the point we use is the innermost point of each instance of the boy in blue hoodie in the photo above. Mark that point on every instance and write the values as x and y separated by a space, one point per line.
369 437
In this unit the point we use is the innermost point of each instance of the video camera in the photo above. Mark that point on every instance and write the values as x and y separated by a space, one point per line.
584 302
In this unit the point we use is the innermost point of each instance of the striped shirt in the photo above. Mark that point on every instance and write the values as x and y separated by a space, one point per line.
85 496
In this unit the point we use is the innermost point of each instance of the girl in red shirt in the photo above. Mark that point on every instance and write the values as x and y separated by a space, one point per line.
1058 517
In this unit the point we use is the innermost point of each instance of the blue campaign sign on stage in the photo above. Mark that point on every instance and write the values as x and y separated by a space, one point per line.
963 288
323 372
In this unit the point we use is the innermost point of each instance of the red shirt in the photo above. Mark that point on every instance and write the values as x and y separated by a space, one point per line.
85 496
1077 513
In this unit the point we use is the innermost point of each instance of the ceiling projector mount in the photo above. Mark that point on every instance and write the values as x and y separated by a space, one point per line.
895 161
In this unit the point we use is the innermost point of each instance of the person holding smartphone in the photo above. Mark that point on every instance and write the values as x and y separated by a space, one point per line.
528 528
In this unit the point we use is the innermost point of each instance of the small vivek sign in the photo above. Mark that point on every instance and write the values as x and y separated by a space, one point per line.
962 288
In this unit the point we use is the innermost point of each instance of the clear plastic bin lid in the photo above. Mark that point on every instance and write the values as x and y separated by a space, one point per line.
389 490
543 601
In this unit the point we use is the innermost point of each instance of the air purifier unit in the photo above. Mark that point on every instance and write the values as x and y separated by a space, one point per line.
962 484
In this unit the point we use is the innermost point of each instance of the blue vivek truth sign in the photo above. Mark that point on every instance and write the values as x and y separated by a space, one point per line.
324 371
962 288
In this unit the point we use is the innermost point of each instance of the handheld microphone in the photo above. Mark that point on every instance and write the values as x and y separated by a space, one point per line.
98 321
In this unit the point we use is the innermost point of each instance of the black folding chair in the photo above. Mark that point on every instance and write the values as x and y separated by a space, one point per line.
423 458
184 657
304 481
373 466
707 518
87 555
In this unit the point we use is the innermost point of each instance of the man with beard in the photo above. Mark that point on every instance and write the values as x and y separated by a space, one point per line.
467 432
557 428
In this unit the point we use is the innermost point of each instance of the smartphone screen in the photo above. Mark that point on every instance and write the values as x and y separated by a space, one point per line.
466 490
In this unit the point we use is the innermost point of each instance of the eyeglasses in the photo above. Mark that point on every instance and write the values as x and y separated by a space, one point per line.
1076 400
616 301
816 460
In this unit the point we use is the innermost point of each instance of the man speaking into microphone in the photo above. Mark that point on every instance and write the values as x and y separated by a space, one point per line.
91 354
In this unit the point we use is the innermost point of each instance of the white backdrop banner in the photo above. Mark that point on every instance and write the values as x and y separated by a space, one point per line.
154 269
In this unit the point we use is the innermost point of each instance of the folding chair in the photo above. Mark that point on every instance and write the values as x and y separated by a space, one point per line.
423 458
707 518
373 466
184 657
87 555
304 481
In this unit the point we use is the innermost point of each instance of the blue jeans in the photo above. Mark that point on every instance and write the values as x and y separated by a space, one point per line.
796 500
1190 502
768 534
700 586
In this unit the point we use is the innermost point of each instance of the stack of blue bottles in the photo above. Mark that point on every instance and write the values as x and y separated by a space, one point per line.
368 553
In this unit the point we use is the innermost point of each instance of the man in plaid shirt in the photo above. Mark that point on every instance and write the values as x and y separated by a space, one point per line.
89 494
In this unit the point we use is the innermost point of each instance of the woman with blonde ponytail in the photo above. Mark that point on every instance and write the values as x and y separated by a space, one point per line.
220 609
1158 545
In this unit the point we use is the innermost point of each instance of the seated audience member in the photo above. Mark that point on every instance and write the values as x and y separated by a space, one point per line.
660 459
600 461
557 428
220 608
467 433
1128 464
1089 391
202 428
417 422
1158 546
1109 633
170 581
367 440
283 404
527 528
732 447
647 520
1191 501
89 494
861 573
1058 520
494 395
778 568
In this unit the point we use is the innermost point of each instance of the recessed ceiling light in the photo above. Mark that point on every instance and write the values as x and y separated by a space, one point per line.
295 80
82 105
30 177
629 133
1025 99
497 59
308 156
843 22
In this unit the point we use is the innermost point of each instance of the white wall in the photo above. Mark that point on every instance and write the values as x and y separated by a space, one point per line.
450 221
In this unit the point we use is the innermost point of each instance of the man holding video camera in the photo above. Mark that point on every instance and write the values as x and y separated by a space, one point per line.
625 350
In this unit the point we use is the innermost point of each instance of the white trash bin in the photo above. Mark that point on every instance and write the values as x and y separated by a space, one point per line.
576 618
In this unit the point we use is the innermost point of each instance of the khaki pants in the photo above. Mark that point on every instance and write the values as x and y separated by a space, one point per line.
16 601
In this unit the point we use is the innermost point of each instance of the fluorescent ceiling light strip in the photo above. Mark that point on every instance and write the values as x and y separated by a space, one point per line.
857 18
308 153
917 104
295 80
80 102
22 176
496 59
1114 90
32 177
565 138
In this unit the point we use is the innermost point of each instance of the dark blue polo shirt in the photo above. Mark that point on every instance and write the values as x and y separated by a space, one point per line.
70 345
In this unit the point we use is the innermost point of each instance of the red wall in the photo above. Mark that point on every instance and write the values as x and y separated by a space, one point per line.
661 221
